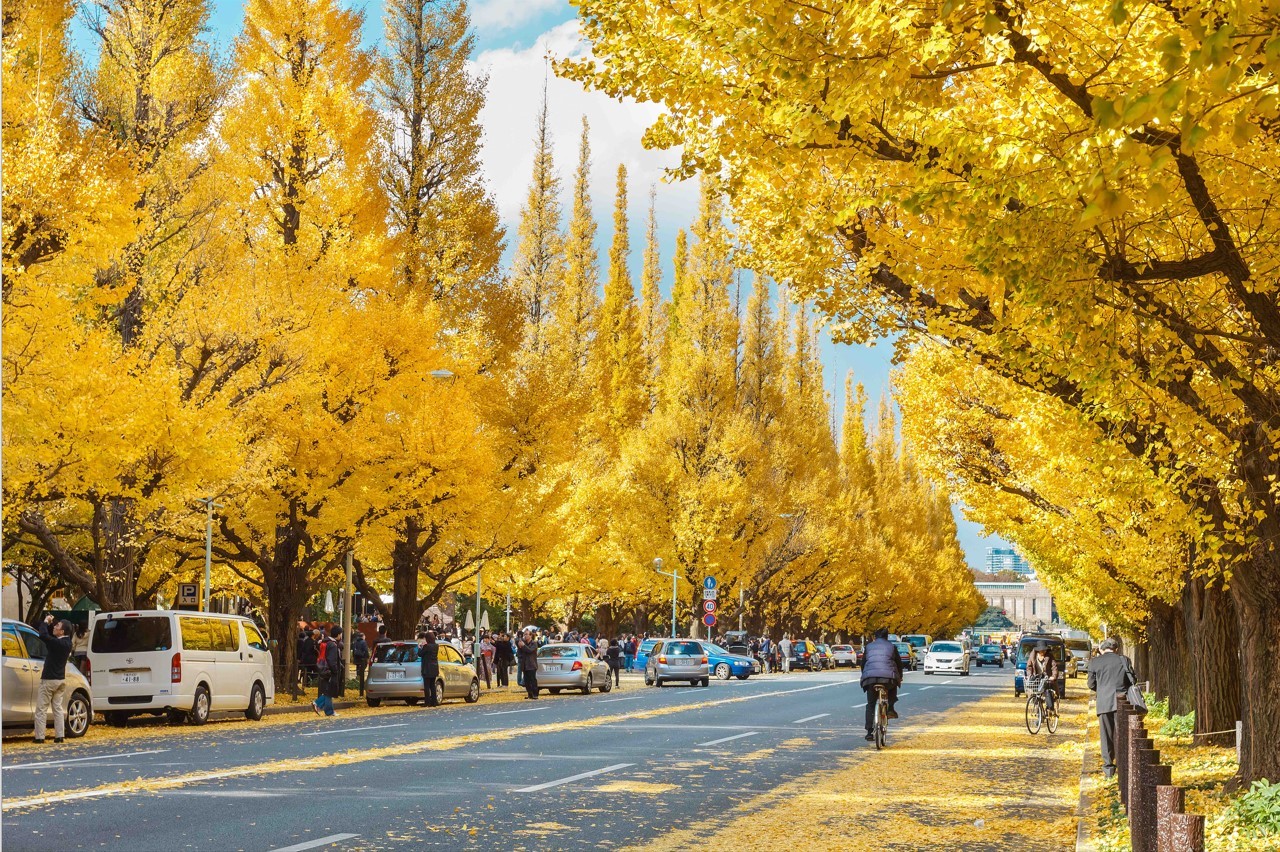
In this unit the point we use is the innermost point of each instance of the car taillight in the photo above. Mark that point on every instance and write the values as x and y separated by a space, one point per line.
577 666
704 660
175 668
87 668
662 660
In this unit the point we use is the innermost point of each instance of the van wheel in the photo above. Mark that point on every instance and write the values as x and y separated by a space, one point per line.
473 693
372 702
200 706
79 715
116 718
257 703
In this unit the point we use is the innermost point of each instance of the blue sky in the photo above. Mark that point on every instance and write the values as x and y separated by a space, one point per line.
514 37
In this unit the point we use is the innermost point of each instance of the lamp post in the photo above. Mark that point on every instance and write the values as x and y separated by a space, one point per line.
475 641
208 548
742 597
675 576
346 622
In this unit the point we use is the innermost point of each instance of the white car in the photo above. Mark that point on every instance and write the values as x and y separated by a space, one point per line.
950 657
844 655
1080 650
24 653
184 664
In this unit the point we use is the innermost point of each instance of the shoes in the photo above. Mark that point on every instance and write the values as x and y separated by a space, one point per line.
869 737
57 739
334 713
1108 772
893 714
39 742
316 708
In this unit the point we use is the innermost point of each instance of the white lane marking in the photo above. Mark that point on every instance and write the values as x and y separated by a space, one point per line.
314 844
858 706
727 739
507 712
45 763
535 788
923 688
810 718
628 698
354 730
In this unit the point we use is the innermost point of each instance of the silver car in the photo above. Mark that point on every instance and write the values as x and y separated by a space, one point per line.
677 659
571 665
24 653
395 672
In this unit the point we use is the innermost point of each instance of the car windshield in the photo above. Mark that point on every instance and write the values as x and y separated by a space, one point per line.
945 648
683 648
407 653
841 649
990 649
559 652
1079 645
917 641
903 647
132 635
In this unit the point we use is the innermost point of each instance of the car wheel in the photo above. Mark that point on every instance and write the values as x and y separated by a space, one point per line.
722 671
1001 665
473 693
554 690
706 681
589 685
743 677
648 681
607 686
200 706
440 692
116 718
257 703
373 702
657 681
79 715
979 663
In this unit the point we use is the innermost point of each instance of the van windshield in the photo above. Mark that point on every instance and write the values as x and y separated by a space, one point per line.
131 635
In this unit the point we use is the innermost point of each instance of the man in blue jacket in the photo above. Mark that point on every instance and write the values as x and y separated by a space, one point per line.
881 666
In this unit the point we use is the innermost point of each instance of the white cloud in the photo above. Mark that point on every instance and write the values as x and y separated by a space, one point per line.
510 14
515 93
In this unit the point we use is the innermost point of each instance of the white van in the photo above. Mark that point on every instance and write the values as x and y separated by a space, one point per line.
185 664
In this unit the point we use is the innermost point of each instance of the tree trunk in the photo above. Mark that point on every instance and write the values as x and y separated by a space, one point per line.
1214 632
287 590
405 557
1255 590
1169 655
1141 660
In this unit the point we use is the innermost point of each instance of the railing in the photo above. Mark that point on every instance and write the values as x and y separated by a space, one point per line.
1155 807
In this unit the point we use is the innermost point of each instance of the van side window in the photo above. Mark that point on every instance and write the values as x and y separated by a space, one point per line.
225 635
35 645
12 647
195 633
254 637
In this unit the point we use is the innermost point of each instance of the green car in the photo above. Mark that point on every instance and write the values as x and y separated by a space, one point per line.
991 655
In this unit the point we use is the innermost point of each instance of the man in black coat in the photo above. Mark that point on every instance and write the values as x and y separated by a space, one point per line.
53 679
429 659
1109 672
527 651
503 658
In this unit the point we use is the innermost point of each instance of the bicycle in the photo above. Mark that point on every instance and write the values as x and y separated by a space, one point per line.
1039 710
881 724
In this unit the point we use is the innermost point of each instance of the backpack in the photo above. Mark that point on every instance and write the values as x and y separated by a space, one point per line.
322 656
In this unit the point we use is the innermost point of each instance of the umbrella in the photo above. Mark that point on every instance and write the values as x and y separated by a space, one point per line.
328 601
484 620
470 623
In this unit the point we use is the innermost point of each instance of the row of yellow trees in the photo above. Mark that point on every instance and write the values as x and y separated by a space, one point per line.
1075 202
276 283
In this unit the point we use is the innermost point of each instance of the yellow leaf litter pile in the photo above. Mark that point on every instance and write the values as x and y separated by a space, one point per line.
925 793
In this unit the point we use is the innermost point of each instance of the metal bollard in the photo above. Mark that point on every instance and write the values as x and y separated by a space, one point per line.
1188 833
1170 800
1151 774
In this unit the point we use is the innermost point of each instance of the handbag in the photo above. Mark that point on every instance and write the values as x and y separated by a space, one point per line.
1134 696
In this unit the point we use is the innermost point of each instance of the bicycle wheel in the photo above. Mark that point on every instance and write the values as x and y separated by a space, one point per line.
882 723
1034 714
1051 719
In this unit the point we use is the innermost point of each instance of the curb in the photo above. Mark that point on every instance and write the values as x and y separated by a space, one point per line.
286 709
1088 783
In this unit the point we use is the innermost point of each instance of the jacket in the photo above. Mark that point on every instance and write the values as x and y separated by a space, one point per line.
881 660
429 658
528 653
614 655
359 647
1109 673
55 660
1049 668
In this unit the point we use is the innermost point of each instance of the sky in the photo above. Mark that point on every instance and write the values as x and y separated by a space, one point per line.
514 38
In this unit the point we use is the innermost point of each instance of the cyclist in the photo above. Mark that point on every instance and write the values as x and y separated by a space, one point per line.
1042 664
881 666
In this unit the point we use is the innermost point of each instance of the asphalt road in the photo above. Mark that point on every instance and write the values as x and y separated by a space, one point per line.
563 772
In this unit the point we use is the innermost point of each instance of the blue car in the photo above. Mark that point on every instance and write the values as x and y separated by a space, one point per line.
725 665
1025 646
642 653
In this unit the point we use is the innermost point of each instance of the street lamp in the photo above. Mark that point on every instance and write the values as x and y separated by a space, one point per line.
208 548
675 576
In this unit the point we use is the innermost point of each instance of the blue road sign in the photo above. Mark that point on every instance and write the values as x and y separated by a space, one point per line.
709 583
709 619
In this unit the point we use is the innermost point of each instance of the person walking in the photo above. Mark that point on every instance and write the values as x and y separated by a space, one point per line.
527 651
1109 673
429 662
328 670
766 653
785 648
53 680
613 654
503 658
306 656
360 656
485 659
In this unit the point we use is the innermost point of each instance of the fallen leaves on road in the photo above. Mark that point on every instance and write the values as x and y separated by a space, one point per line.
639 787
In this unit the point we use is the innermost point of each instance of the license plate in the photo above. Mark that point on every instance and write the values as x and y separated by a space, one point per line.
395 675
552 668
131 678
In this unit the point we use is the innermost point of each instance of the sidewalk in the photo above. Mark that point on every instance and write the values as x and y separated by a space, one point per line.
971 779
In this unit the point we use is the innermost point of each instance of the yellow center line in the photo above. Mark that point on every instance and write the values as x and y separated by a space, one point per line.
356 755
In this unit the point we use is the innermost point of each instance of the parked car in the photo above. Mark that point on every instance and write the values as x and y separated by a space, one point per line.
183 664
737 642
677 659
804 655
919 643
991 655
726 664
1023 649
824 655
642 653
24 654
395 673
1080 650
844 655
572 665
946 657
906 656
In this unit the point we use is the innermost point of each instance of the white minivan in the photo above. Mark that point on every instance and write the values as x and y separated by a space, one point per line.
185 664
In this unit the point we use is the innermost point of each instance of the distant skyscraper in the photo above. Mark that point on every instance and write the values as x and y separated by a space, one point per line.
1007 559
